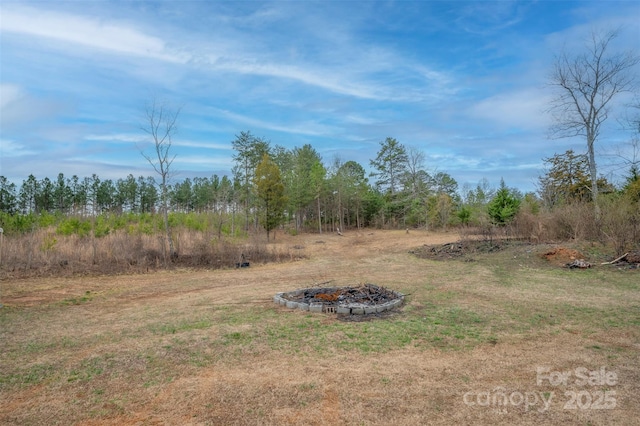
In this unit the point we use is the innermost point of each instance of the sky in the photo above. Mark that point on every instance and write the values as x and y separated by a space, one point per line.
464 82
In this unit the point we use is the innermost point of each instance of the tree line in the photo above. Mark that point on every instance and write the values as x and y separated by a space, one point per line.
313 194
272 185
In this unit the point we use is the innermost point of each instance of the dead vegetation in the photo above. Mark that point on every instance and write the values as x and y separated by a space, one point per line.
469 249
45 253
462 249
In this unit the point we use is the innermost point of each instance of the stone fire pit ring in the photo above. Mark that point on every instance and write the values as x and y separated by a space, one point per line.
362 300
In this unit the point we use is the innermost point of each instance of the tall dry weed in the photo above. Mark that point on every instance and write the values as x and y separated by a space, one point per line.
620 224
45 253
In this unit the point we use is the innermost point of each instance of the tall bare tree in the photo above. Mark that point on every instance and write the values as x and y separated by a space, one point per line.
585 85
160 125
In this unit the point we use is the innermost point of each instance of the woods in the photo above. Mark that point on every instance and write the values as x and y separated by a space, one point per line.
313 195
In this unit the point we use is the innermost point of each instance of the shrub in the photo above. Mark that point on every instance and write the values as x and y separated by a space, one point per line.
73 225
619 221
17 223
503 206
464 214
101 227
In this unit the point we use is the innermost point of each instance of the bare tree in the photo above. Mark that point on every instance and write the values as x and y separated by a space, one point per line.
585 84
161 126
627 155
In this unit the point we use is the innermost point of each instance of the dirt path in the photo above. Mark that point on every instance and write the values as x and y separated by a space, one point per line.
327 257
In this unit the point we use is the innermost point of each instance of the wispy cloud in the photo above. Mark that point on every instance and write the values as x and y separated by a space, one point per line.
309 128
19 108
523 108
206 145
84 31
484 18
10 148
215 161
365 74
117 138
329 80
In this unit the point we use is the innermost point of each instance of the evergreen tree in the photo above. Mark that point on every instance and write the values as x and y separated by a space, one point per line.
270 192
147 194
79 191
127 192
28 194
106 196
62 195
390 165
504 205
249 152
567 179
45 200
302 189
8 196
318 174
354 187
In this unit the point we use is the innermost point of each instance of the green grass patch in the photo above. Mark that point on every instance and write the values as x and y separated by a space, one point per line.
181 326
86 297
31 375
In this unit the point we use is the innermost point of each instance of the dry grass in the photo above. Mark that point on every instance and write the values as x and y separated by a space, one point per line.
43 252
210 348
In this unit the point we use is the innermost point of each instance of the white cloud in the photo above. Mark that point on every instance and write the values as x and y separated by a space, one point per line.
141 138
19 108
327 79
11 148
308 128
213 161
489 17
205 145
359 119
114 37
347 70
9 93
117 138
576 37
523 108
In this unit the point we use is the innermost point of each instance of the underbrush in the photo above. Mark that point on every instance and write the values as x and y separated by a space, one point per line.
49 252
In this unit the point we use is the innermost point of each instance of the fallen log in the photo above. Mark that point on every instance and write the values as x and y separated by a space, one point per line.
615 260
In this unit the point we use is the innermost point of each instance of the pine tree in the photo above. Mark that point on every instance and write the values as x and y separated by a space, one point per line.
270 191
504 205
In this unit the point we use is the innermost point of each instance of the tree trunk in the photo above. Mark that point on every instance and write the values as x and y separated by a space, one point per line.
165 215
594 175
319 217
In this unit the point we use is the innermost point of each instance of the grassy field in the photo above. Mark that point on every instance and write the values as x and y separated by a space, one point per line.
485 341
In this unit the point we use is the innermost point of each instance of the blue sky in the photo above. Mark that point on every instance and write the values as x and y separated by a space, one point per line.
465 82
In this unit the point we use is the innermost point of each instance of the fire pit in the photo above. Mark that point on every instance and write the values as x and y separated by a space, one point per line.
365 299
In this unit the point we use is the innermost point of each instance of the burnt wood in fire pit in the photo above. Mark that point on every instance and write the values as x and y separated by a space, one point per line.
364 299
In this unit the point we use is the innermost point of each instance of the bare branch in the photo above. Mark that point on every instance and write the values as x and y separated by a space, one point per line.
585 85
161 126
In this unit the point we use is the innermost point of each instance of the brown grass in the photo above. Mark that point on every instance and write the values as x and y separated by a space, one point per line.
206 347
43 252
